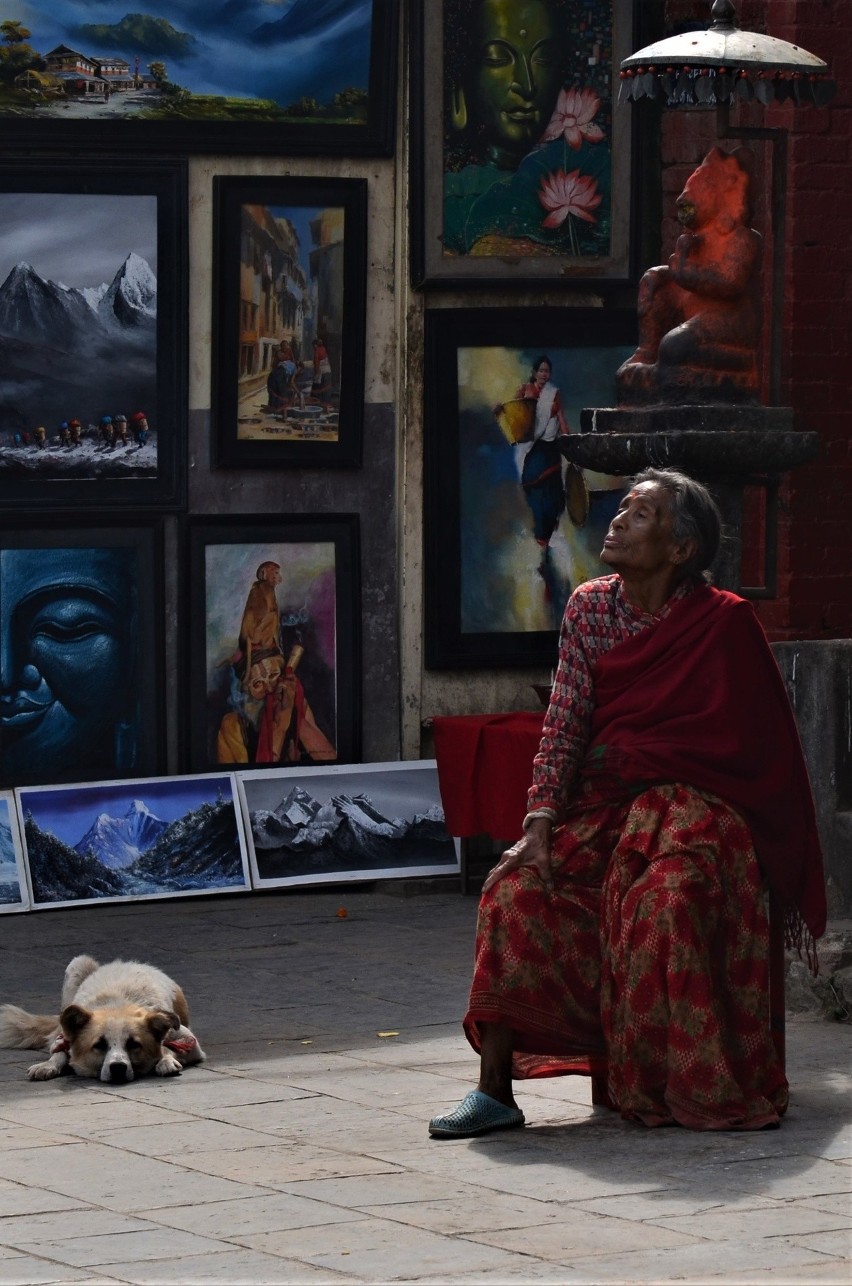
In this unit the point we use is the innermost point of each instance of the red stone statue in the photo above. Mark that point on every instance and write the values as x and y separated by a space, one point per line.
698 316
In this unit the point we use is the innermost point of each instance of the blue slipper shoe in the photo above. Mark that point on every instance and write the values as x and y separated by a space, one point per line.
477 1113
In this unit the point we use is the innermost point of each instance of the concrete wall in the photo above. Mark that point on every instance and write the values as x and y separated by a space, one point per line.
370 491
819 680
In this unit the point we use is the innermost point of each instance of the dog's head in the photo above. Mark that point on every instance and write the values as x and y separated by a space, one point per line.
118 1043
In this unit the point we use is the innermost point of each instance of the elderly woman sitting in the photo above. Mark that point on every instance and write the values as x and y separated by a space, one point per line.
625 936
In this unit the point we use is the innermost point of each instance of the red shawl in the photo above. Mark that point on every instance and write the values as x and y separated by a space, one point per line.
699 698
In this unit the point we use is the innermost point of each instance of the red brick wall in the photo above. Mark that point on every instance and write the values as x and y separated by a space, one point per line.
815 512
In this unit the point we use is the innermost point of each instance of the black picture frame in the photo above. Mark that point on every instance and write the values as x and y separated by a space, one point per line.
290 265
348 49
78 355
477 223
81 610
493 596
318 611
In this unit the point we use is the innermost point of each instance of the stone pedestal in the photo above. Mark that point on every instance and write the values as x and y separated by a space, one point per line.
725 447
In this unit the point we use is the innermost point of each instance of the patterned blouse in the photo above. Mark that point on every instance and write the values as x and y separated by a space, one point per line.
597 617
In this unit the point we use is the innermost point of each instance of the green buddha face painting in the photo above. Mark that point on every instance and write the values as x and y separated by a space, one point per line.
514 77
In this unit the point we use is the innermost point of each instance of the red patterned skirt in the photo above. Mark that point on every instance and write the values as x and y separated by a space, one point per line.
645 967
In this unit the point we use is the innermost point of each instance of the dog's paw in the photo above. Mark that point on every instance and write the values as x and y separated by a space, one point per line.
168 1066
42 1071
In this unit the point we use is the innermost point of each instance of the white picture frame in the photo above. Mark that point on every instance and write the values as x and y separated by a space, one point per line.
345 822
132 840
14 889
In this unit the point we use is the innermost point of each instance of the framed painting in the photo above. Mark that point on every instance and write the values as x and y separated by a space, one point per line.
14 892
256 76
93 310
161 837
273 664
510 526
81 623
332 825
289 299
521 167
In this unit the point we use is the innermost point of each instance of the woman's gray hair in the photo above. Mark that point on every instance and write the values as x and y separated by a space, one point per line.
695 515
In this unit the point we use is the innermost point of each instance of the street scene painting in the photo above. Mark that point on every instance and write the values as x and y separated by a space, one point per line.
14 895
364 822
90 365
124 841
293 259
288 320
275 626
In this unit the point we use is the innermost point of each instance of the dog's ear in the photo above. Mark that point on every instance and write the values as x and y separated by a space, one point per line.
162 1021
73 1019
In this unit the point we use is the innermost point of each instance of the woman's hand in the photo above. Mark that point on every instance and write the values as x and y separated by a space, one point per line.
533 850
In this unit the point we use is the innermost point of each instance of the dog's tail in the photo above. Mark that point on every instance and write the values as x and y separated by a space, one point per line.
20 1030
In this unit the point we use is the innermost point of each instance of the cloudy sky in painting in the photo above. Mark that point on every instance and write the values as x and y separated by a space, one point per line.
279 49
78 240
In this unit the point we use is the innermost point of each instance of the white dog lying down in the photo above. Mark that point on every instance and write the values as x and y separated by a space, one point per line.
118 1021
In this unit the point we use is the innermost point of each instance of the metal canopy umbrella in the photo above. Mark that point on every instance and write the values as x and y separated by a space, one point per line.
725 64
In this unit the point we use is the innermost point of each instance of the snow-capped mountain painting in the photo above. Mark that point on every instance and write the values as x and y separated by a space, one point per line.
13 886
78 333
353 822
161 837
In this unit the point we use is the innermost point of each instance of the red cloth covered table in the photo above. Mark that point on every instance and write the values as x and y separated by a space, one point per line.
485 770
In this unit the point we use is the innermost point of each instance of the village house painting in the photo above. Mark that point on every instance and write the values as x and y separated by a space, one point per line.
315 67
78 75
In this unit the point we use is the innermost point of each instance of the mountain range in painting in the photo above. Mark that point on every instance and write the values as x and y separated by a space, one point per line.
137 855
98 346
345 833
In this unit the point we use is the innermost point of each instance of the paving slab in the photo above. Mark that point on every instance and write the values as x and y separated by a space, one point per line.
299 1152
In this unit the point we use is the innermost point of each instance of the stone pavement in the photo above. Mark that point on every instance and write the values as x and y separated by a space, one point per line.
299 1152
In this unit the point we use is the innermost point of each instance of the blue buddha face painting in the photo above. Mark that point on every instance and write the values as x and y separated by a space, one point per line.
76 661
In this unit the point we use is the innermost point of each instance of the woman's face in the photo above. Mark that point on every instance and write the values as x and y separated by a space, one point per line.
640 540
517 74
66 660
542 374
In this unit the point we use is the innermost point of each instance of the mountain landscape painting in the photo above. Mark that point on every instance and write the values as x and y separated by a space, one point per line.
13 885
78 336
123 841
335 824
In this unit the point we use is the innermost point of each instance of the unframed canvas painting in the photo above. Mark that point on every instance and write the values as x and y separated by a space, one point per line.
119 841
13 885
364 822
